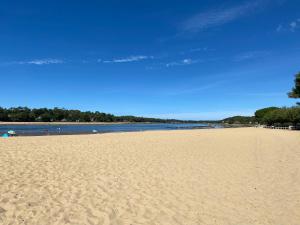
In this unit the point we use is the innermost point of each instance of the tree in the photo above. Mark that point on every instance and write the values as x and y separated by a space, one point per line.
239 120
46 117
259 114
295 93
282 117
3 115
19 114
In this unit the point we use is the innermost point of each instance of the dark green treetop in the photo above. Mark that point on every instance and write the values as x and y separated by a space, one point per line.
295 93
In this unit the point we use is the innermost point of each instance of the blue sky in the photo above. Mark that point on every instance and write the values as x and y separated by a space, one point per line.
204 59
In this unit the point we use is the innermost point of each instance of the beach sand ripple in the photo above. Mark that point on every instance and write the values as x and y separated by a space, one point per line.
192 177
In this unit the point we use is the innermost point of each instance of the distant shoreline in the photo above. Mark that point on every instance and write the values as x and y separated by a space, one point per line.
96 123
65 123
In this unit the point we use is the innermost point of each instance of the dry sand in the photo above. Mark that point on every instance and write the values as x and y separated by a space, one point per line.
226 176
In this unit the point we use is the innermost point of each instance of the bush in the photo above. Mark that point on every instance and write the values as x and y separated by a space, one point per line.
282 117
260 114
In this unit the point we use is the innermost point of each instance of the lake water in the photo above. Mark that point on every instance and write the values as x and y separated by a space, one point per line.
94 128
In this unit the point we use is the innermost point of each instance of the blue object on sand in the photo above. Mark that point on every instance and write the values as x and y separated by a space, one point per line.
5 136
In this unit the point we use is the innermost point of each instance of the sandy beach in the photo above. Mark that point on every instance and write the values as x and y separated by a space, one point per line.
191 177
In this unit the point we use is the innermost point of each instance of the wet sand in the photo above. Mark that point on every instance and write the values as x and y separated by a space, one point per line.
191 177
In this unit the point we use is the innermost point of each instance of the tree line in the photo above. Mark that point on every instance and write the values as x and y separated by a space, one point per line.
279 116
25 114
271 116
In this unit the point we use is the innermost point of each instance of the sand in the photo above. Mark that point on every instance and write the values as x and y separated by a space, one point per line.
222 176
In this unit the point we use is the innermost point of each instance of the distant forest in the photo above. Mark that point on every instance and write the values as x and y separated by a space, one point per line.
268 116
24 114
271 116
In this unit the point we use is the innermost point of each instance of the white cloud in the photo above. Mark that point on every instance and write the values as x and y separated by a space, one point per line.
42 62
187 61
292 26
195 50
183 62
217 17
129 59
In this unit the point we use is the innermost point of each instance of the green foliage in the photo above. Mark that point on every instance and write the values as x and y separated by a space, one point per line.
24 114
282 117
19 114
3 115
259 114
271 116
239 120
295 93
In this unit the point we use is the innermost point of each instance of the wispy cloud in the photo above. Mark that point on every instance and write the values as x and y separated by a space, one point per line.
217 17
179 62
295 25
250 55
183 62
41 62
128 59
291 26
38 62
197 50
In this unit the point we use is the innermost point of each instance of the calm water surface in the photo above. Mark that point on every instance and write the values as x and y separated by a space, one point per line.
94 128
